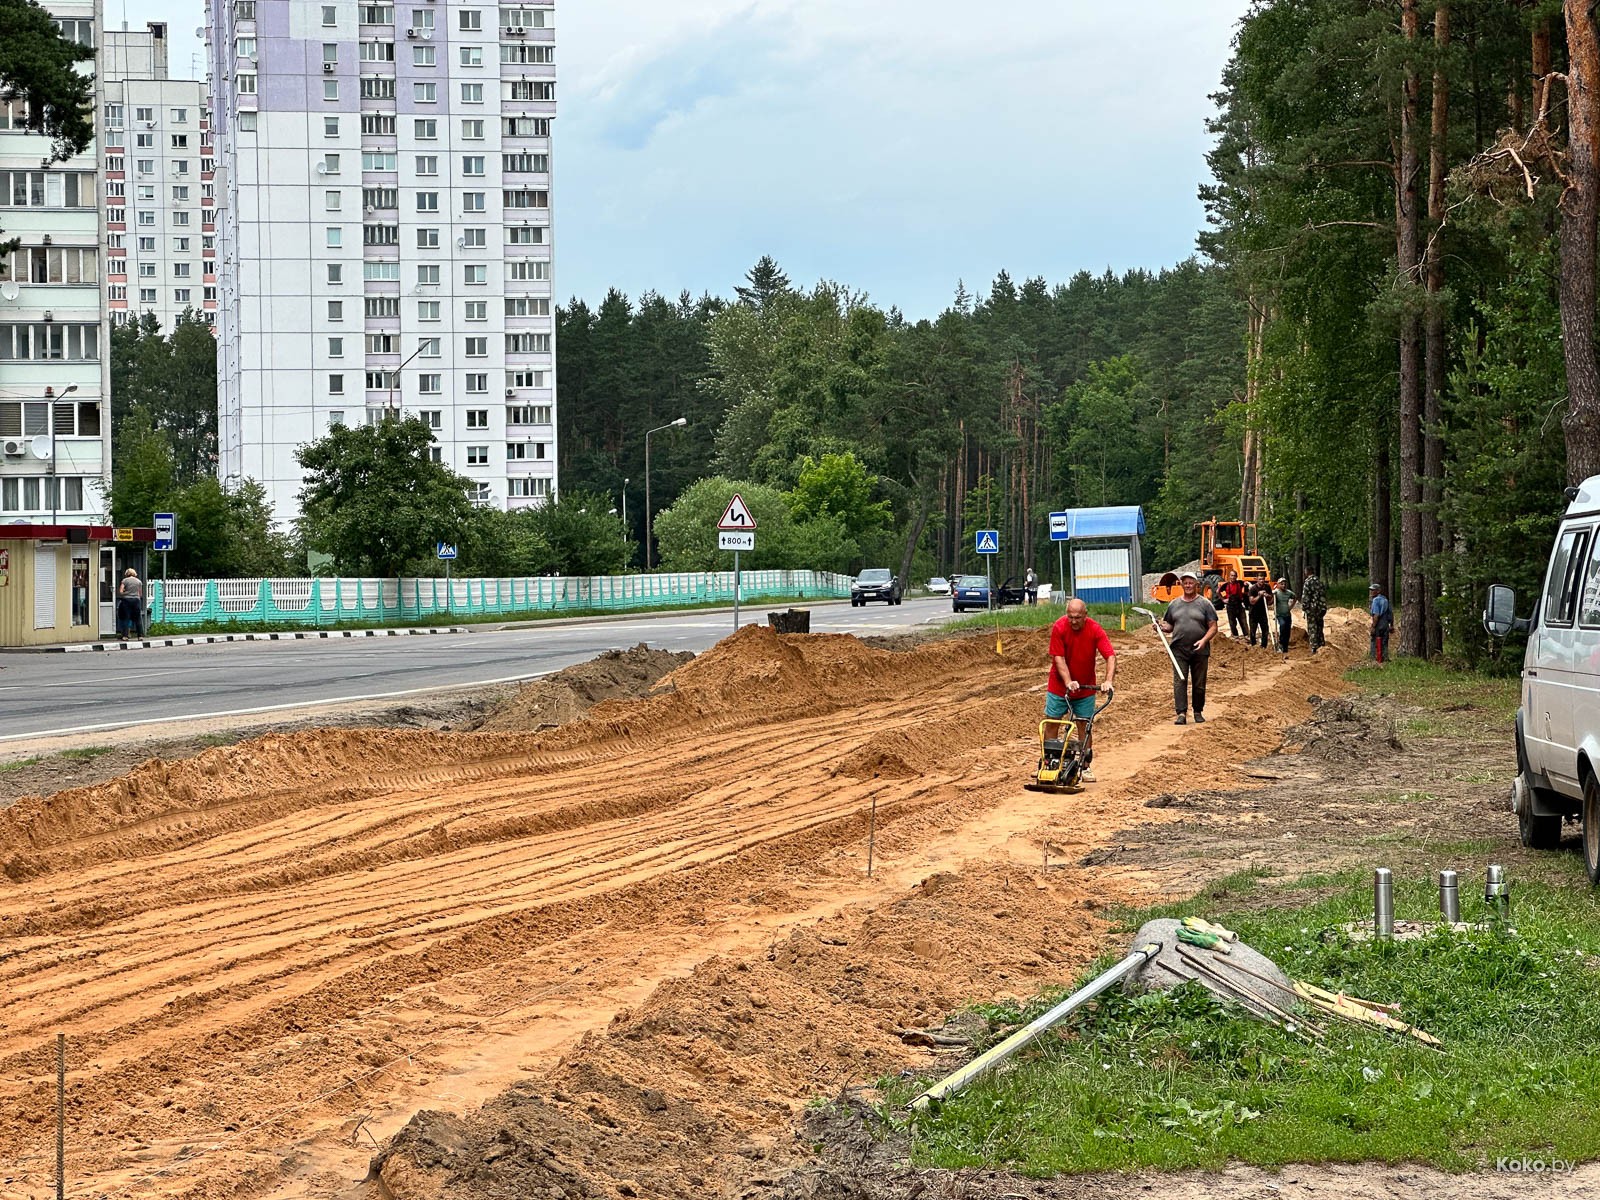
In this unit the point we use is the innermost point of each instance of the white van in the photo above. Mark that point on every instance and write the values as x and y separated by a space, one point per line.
1558 722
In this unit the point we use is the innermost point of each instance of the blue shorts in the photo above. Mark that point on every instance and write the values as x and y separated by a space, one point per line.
1055 707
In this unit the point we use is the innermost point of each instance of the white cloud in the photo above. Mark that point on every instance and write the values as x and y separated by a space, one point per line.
892 144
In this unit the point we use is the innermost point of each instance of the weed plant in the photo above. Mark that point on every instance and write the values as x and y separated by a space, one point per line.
1186 1080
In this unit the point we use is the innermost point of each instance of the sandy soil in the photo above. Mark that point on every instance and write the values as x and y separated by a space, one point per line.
617 956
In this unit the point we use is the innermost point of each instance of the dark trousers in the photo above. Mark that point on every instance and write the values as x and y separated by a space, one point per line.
1194 667
1285 624
1237 625
1258 623
128 618
1314 629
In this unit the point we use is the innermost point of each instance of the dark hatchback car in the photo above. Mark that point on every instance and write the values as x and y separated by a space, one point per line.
875 583
975 591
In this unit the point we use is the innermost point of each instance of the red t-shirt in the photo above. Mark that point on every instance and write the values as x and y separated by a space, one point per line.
1079 649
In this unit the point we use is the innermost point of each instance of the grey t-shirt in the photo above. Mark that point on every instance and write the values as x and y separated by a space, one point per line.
1189 620
131 588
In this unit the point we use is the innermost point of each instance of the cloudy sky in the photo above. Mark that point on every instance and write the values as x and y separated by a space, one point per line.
897 146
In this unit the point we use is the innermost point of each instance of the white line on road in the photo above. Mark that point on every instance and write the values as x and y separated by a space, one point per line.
245 712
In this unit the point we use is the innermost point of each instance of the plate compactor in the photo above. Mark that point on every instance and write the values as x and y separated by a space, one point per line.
1063 755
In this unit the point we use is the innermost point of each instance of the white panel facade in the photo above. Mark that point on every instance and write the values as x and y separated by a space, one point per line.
55 462
385 234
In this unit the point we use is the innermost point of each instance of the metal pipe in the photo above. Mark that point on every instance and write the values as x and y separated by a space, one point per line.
1497 892
1161 633
1449 897
1383 902
994 1056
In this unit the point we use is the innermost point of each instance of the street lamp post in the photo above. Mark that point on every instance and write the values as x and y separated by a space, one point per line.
55 480
648 514
624 504
394 378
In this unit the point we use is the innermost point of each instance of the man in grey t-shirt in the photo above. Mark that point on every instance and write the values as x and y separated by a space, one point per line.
1192 622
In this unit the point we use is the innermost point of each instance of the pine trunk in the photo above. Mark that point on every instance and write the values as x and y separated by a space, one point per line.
1410 641
1578 209
1434 355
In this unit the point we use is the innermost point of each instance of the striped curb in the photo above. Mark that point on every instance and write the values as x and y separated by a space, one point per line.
208 639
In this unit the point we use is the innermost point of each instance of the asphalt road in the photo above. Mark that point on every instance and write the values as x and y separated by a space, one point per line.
44 694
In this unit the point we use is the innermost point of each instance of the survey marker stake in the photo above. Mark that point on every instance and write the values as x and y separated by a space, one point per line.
994 1056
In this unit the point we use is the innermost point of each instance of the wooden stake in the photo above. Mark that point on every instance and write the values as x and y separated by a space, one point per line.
61 1116
872 834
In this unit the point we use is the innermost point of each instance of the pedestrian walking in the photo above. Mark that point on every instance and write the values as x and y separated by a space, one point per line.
1282 607
1314 602
1192 622
1256 600
1382 614
130 599
1030 584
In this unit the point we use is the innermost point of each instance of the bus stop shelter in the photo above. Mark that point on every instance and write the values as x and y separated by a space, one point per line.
1104 561
58 582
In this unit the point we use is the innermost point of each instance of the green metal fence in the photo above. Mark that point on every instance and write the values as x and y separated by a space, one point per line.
316 602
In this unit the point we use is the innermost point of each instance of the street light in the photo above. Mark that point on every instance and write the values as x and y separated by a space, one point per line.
648 516
55 483
394 377
624 503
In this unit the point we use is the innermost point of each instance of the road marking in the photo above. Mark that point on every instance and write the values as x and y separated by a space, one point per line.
245 712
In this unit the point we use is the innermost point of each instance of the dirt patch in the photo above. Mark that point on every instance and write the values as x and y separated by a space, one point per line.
1342 730
621 956
571 693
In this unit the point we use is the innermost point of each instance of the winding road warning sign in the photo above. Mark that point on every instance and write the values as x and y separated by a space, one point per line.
736 515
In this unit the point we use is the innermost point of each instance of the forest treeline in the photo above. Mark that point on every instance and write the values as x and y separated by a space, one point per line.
1384 354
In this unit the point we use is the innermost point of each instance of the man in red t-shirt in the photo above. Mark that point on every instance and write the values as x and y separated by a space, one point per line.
1074 642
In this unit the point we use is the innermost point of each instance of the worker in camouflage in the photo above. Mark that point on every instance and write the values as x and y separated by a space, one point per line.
1314 602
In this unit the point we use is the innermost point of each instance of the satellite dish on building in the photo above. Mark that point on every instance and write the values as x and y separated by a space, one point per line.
10 291
40 445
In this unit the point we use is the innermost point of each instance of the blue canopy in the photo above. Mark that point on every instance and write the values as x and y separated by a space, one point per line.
1115 521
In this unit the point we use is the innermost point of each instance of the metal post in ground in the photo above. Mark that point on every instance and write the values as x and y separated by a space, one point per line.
736 591
61 1116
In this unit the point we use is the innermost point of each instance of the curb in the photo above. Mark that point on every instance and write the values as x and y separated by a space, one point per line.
208 639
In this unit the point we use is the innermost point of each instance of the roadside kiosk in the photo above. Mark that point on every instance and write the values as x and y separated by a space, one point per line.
58 583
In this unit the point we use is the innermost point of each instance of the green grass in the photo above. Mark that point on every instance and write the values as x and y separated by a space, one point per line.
1034 616
174 629
86 752
1446 703
1183 1080
20 763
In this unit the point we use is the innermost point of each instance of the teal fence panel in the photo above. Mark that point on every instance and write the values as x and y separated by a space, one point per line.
323 602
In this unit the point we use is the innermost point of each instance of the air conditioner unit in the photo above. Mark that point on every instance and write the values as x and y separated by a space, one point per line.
511 393
411 33
149 124
327 68
14 447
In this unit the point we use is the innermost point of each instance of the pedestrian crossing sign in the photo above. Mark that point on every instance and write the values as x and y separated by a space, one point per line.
988 541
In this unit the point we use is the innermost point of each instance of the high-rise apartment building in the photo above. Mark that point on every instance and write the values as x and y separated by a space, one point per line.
384 233
160 231
55 460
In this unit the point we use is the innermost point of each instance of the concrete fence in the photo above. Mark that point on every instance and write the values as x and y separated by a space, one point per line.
316 602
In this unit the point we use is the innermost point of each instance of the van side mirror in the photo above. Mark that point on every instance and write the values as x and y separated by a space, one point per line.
1500 612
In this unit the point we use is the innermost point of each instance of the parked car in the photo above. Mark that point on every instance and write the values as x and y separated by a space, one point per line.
1558 722
938 586
1010 592
875 583
969 591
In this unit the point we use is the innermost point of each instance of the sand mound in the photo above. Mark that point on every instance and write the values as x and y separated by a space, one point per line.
570 694
1338 731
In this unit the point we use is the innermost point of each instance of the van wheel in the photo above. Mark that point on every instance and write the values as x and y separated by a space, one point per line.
1591 828
1539 832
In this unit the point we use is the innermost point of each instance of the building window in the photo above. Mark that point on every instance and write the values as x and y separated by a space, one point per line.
477 456
335 385
379 160
428 348
330 126
530 164
526 377
330 53
526 197
428 202
527 18
525 235
472 56
425 93
477 382
376 14
528 414
180 116
472 129
475 274
180 193
428 275
381 124
377 88
383 343
335 273
147 295
427 239
477 310
477 347
422 18
380 272
433 418
383 306
335 310
335 418
477 418
114 116
472 164
427 310
472 93
376 52
430 385
426 129
474 238
246 81
330 16
332 201
380 235
427 164
471 19
527 485
424 56
330 164
180 270
330 89
180 217
336 347
145 116
473 202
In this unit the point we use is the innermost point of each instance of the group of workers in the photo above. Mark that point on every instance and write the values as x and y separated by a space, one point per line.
1190 625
